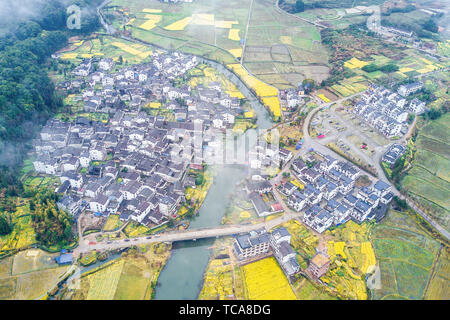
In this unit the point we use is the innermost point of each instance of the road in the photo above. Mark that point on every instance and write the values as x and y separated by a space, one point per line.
376 162
246 32
187 234
277 7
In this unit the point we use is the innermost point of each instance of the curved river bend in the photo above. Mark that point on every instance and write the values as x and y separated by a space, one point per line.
182 276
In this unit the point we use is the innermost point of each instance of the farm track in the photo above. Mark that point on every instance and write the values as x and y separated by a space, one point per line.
433 271
246 33
277 7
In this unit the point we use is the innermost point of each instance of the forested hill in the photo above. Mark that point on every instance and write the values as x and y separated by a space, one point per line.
27 95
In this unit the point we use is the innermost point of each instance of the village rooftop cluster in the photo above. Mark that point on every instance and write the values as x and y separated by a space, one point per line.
134 164
329 195
387 111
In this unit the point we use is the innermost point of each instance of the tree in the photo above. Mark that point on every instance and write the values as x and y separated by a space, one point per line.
51 225
430 25
299 6
388 68
370 67
199 179
5 228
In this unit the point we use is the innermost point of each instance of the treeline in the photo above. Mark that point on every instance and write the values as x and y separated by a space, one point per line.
27 95
387 68
51 225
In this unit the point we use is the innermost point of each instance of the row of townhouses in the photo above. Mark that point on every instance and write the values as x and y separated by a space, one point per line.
329 195
386 111
260 242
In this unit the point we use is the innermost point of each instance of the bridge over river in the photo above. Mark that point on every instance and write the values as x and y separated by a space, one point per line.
185 235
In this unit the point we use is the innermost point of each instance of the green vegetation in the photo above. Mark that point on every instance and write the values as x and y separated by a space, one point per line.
388 68
27 95
133 276
406 254
52 226
428 182
5 228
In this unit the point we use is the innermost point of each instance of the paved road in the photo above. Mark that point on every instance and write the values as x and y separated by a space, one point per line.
187 234
309 142
246 31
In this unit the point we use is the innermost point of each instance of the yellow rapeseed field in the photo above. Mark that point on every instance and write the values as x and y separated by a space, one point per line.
132 50
322 96
233 34
267 93
354 63
152 10
235 94
151 22
405 69
224 24
179 25
369 256
245 215
274 105
265 280
286 39
236 52
69 56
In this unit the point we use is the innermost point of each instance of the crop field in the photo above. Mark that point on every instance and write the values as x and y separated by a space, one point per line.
351 256
218 281
438 286
112 223
30 285
22 235
406 255
134 229
277 39
205 75
428 181
303 241
265 280
130 277
286 47
32 260
305 290
110 47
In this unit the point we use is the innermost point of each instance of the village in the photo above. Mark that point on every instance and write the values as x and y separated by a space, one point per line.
138 165
387 111
133 164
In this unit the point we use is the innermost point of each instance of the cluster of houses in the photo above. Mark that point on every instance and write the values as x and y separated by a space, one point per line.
407 89
260 242
386 111
328 193
259 192
131 88
134 164
394 152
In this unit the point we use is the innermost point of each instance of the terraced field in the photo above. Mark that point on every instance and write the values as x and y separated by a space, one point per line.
428 181
406 256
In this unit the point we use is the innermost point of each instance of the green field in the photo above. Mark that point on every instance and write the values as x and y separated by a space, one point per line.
130 277
276 41
428 181
406 255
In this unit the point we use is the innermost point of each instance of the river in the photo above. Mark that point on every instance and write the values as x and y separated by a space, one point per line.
182 276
